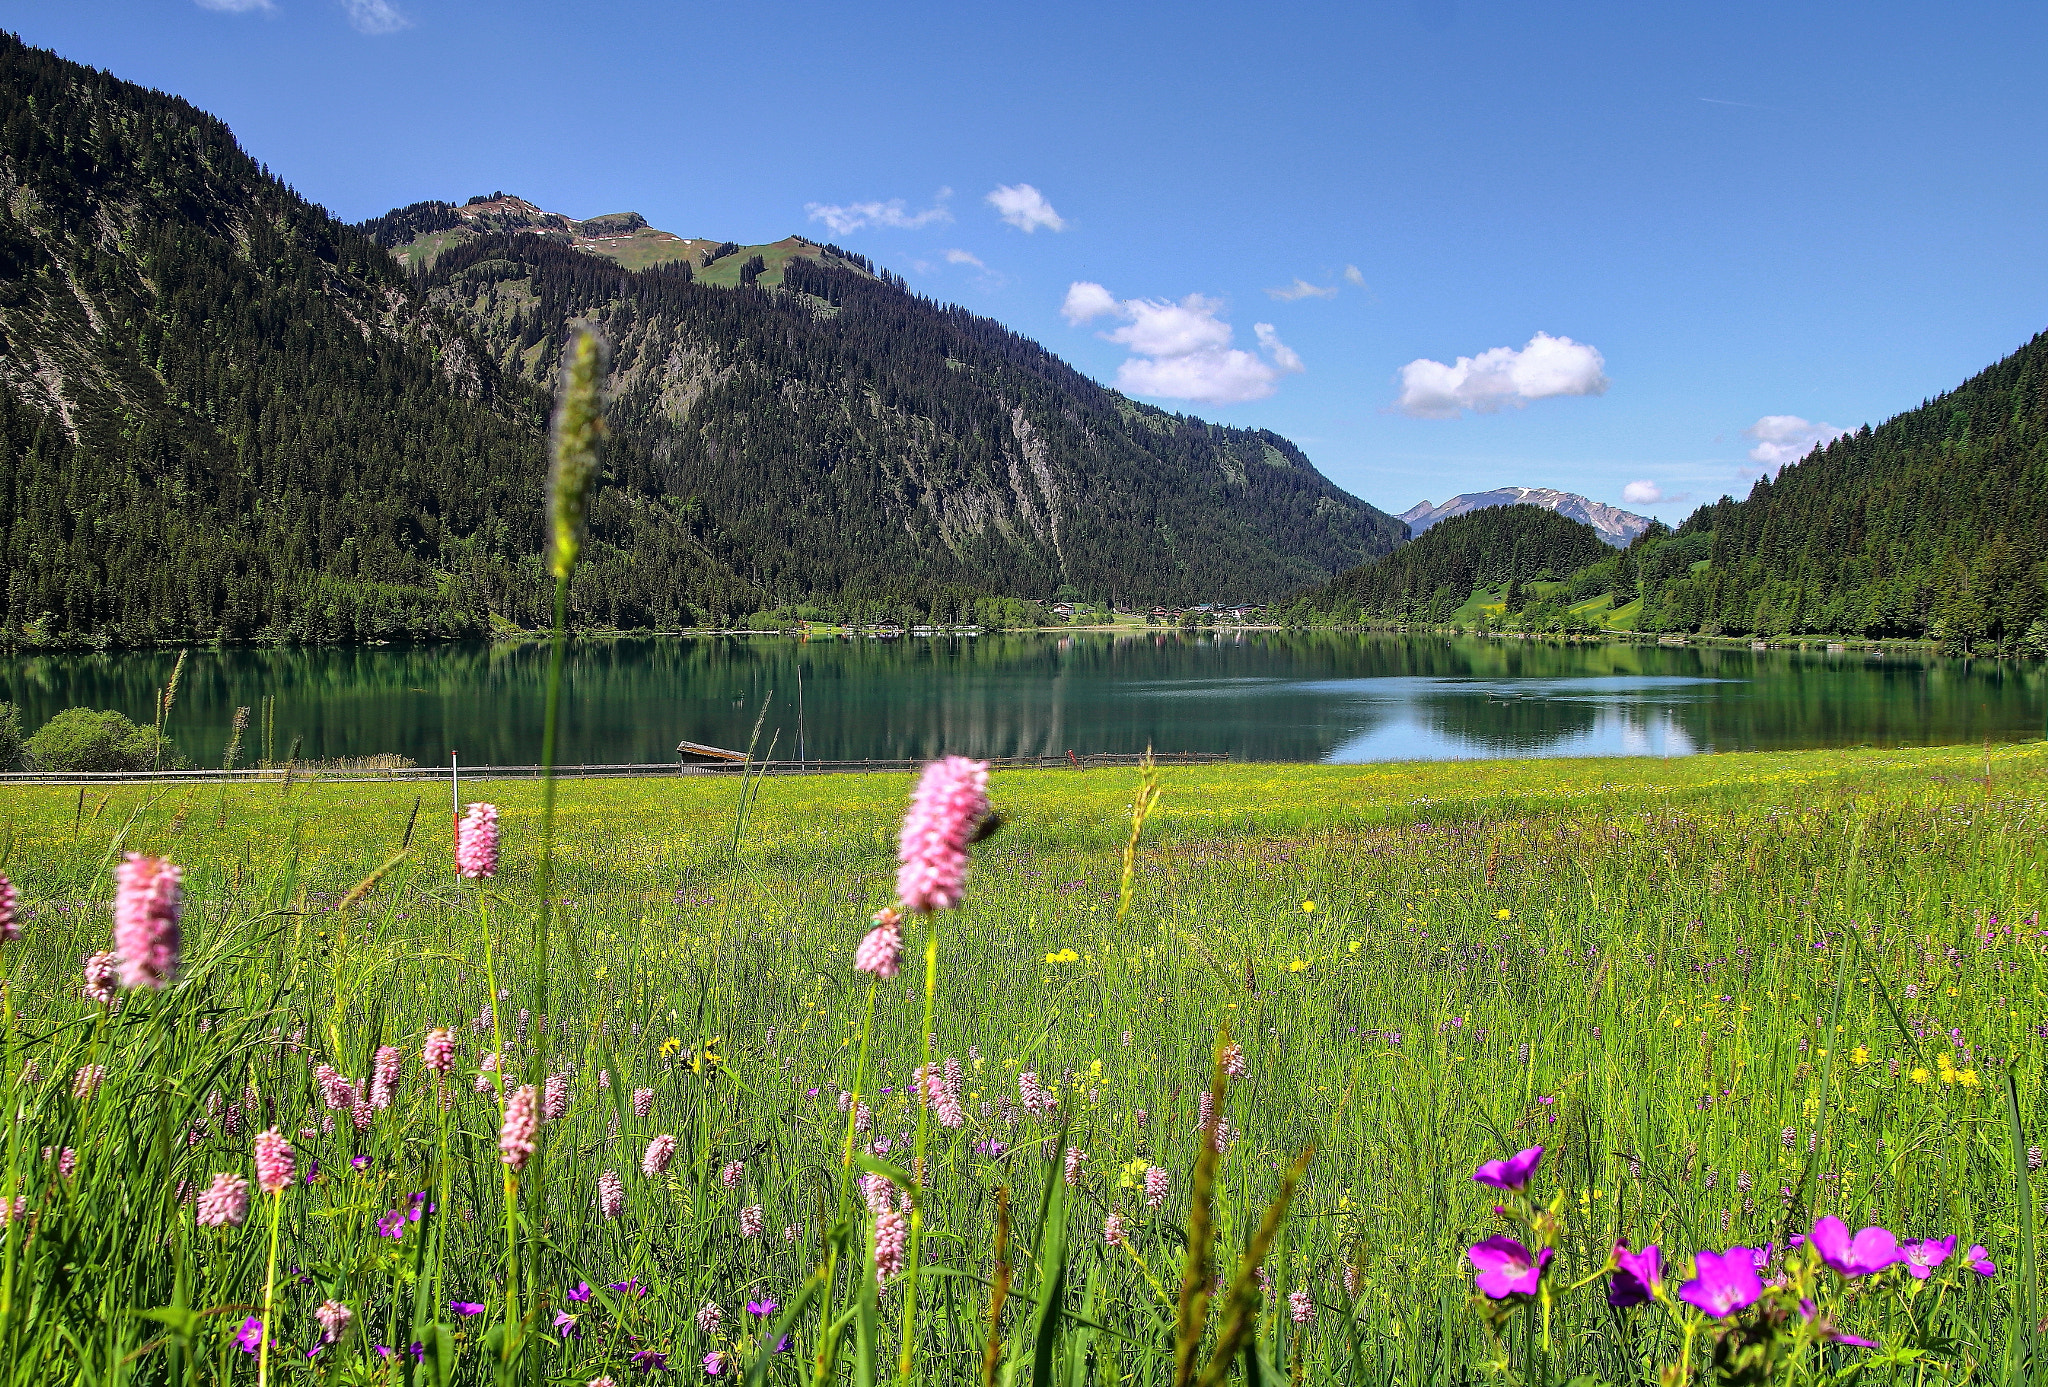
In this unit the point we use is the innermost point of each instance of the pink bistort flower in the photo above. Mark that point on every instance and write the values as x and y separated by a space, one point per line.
1156 1182
100 969
86 1082
1075 1155
1301 1306
944 1096
948 805
611 1194
438 1053
555 1099
224 1203
881 948
730 1176
476 842
660 1152
1113 1229
710 1317
643 1101
516 1133
10 927
752 1221
274 1164
384 1075
148 899
892 1237
334 1320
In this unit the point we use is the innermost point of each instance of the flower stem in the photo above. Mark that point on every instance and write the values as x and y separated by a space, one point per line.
917 1170
269 1293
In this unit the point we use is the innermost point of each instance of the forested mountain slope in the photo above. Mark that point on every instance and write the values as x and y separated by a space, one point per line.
1431 576
223 414
1932 524
835 433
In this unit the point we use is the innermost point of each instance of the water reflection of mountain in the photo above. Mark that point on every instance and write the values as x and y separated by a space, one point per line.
1256 695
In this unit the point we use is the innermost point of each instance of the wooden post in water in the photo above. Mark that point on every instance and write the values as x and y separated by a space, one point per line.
455 798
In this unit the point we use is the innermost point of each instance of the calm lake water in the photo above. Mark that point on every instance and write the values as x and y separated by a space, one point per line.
1259 696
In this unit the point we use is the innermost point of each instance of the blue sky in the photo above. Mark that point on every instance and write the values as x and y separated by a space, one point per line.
1646 227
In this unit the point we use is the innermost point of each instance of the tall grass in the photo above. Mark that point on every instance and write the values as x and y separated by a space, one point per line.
1688 968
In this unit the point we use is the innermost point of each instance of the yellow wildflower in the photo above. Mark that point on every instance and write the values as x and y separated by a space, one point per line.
1968 1078
1503 914
1308 907
1300 965
1919 1076
1859 1056
1063 956
1354 946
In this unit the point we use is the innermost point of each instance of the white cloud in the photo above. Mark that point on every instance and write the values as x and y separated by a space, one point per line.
1642 494
375 16
1284 356
1353 277
1159 328
842 218
1086 302
1786 438
1025 208
1182 351
964 257
235 6
1548 366
1302 289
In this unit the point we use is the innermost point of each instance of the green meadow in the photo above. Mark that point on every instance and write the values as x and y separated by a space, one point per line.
1727 994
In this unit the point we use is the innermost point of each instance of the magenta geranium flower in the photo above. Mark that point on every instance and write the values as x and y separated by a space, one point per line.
1514 1173
1506 1268
1869 1252
1723 1283
251 1337
1921 1258
1637 1276
1980 1261
465 1307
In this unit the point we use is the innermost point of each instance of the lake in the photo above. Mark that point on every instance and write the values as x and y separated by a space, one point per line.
1256 695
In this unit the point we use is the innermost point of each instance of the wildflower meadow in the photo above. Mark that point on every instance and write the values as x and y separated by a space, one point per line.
1728 1069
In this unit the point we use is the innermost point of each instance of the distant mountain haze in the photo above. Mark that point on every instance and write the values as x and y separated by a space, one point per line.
1614 525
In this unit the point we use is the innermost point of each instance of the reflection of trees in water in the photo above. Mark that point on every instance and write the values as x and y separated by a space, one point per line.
1517 725
1272 695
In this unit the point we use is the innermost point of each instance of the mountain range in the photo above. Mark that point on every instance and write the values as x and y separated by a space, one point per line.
226 415
1614 525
